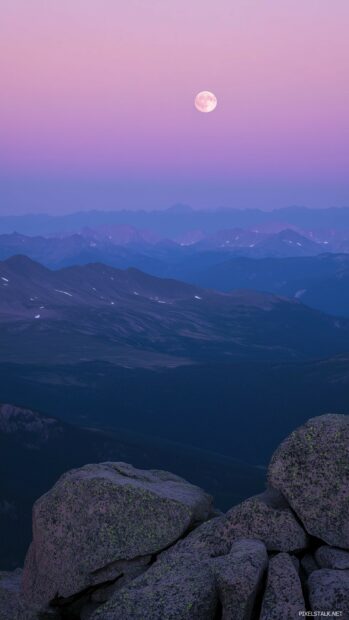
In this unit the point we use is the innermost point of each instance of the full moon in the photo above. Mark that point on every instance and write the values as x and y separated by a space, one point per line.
205 101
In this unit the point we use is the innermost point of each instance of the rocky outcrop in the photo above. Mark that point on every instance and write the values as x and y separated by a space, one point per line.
330 557
283 598
268 517
178 588
27 423
100 515
265 517
311 469
114 543
329 591
239 578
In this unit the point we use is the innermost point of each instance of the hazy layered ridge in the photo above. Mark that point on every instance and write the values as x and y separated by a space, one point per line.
312 266
133 319
180 219
122 245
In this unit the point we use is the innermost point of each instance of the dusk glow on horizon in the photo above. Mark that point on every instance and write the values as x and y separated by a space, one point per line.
102 92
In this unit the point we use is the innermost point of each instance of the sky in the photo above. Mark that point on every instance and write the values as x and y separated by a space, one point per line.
97 104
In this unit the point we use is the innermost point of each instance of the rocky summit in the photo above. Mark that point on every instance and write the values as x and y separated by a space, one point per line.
111 542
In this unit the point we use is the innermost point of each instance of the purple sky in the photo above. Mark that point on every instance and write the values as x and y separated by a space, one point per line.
96 106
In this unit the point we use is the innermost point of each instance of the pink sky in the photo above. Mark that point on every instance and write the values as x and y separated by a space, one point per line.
104 89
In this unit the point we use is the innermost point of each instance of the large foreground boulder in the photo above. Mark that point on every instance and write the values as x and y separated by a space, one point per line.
330 557
239 578
283 598
311 469
178 588
100 515
265 517
329 591
210 540
268 517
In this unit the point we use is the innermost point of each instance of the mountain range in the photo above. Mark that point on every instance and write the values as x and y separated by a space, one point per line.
119 245
179 219
191 341
283 263
133 319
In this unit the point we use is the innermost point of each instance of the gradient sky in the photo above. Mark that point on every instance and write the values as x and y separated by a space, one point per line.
96 104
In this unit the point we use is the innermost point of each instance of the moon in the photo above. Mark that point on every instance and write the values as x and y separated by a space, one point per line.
205 101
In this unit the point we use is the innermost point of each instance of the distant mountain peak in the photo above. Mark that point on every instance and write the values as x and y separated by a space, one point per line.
24 264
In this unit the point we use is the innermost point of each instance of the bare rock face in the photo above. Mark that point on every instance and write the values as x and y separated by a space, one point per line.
265 517
311 469
268 517
329 591
99 515
330 557
283 597
210 540
178 588
239 577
